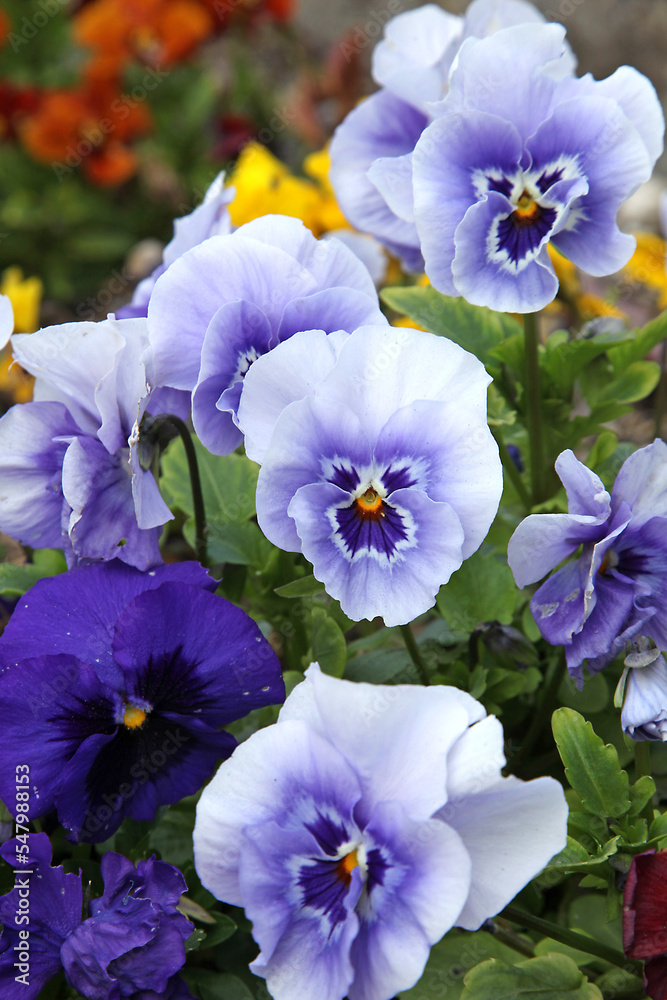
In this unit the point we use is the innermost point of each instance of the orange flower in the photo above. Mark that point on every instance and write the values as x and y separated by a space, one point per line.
87 127
158 32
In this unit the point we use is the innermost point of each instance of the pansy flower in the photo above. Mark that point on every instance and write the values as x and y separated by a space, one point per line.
371 152
231 299
522 153
115 685
133 942
377 463
644 714
617 588
362 827
37 915
69 463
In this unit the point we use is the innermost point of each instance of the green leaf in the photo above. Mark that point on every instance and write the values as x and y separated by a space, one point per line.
209 985
642 341
450 959
641 793
172 836
591 767
16 580
224 928
498 412
228 484
328 643
636 382
605 446
549 977
482 590
564 360
240 544
305 586
475 328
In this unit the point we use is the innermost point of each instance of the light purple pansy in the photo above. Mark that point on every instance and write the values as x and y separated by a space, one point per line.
364 825
210 218
617 588
521 153
377 463
371 152
228 301
68 460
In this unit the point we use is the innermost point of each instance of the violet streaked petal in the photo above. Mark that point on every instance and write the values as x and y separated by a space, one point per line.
642 483
331 309
258 785
33 440
310 437
392 568
453 154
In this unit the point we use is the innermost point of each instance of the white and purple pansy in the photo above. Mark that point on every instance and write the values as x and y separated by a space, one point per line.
617 588
382 470
364 825
521 154
231 299
371 152
68 460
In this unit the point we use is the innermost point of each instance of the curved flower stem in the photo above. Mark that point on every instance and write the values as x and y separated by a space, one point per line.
511 469
571 938
533 405
195 483
415 655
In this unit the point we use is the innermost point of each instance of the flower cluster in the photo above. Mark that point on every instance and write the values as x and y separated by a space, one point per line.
131 944
381 821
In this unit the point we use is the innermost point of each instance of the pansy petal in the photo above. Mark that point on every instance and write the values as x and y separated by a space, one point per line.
6 320
330 263
289 373
76 612
329 310
642 483
392 176
33 440
511 831
382 125
399 738
391 568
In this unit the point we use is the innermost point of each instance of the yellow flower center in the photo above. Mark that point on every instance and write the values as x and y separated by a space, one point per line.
346 866
527 210
134 717
369 504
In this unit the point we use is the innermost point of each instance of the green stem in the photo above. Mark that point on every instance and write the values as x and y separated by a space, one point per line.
661 391
571 938
510 938
195 483
511 469
415 655
552 681
642 767
533 404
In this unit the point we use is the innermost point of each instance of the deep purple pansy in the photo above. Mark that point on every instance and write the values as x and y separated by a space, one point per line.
37 916
115 684
132 944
